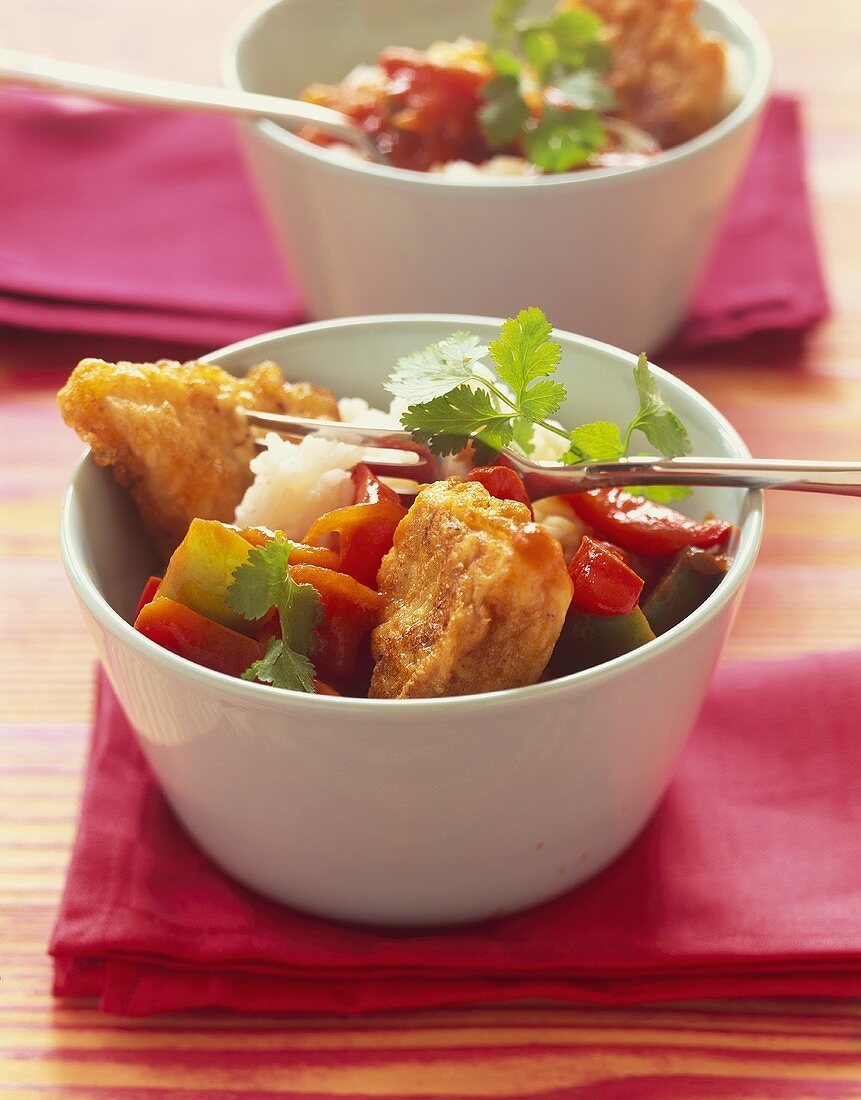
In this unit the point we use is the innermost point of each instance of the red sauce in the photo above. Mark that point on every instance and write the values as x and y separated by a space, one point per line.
429 114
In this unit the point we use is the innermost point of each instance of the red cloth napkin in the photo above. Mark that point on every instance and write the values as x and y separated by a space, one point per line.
747 882
142 223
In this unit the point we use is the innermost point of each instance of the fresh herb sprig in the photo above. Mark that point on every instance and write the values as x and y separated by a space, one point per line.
558 65
456 397
264 582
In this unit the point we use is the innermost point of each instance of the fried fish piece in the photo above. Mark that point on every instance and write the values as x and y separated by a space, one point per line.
475 595
173 434
668 73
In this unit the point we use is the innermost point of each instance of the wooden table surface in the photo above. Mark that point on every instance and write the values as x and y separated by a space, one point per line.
805 595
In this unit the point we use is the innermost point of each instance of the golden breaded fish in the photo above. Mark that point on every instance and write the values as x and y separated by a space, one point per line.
668 73
475 595
173 434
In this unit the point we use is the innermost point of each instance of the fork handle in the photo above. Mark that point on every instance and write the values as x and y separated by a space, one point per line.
843 478
70 76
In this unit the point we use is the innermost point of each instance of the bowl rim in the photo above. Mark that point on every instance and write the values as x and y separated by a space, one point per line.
262 695
745 110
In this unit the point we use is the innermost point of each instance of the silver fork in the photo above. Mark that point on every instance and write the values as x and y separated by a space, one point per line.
411 464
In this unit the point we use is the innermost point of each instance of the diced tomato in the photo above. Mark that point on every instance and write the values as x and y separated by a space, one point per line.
365 534
501 482
148 594
603 583
643 526
368 489
430 115
349 612
176 627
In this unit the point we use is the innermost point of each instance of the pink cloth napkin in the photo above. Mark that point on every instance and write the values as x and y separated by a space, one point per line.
747 882
142 224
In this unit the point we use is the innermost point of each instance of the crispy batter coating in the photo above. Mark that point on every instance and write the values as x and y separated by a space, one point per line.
668 73
475 597
173 434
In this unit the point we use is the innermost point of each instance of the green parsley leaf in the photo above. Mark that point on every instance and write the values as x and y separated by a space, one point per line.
437 369
564 138
600 441
658 423
524 350
445 423
264 582
504 111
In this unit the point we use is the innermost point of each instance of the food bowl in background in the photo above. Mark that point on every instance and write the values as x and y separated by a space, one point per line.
611 252
410 812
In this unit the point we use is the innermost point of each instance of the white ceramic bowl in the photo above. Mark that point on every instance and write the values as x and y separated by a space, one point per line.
420 811
612 253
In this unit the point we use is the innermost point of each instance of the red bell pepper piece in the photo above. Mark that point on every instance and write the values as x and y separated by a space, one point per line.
322 688
643 526
501 482
349 611
368 489
176 627
604 584
365 535
148 594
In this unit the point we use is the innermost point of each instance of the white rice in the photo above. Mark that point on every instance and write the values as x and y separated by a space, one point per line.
294 484
499 166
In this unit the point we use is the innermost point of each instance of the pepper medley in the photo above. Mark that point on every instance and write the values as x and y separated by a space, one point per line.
595 83
297 566
616 595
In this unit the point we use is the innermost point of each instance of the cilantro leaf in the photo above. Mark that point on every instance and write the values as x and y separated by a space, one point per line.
258 583
587 90
523 432
542 400
263 582
524 350
658 423
600 441
505 13
283 668
497 411
504 111
661 494
435 370
576 32
504 63
445 423
564 138
541 50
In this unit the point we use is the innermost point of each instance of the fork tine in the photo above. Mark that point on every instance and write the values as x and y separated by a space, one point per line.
389 452
379 458
333 429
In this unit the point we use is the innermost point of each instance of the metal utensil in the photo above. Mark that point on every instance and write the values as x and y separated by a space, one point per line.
86 80
403 458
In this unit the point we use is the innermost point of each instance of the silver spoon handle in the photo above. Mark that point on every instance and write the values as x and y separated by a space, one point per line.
843 478
68 76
